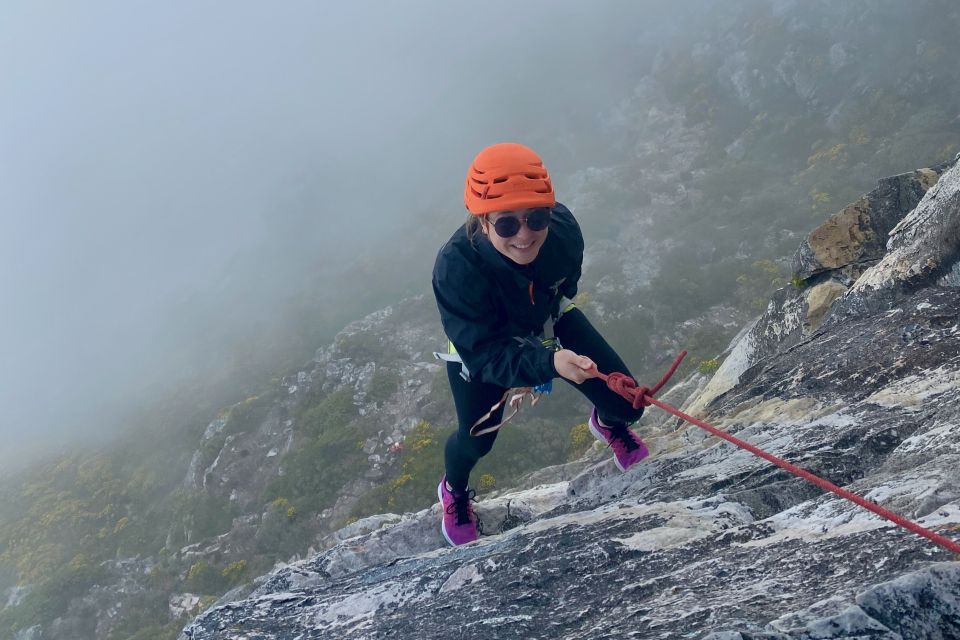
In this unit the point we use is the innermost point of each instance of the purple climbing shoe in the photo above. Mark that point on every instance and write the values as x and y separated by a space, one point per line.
459 525
628 448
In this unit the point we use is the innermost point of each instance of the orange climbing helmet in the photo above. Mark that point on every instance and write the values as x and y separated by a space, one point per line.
507 176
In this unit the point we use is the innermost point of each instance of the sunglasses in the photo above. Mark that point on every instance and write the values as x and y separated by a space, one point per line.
509 226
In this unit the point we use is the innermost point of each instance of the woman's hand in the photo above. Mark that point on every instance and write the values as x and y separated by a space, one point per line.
571 366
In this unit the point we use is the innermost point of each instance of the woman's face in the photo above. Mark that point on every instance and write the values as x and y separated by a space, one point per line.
521 248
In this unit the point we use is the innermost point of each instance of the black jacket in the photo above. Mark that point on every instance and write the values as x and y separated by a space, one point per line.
486 301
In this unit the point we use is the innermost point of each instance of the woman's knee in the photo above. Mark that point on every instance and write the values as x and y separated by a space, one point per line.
481 445
471 447
622 415
634 414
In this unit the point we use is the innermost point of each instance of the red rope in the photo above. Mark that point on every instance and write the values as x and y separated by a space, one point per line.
643 397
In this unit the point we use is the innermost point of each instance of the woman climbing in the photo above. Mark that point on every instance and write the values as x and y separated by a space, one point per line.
504 283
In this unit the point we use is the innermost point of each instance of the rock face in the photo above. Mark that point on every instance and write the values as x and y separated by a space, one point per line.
702 540
838 253
857 235
922 247
246 448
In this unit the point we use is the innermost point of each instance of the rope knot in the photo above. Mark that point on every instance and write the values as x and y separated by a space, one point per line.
627 387
642 399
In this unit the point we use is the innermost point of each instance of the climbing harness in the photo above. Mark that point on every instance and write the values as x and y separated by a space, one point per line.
452 356
513 397
627 388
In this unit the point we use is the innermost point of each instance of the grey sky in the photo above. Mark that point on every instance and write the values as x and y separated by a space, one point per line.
143 144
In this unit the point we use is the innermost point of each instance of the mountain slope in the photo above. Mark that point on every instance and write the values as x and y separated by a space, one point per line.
704 538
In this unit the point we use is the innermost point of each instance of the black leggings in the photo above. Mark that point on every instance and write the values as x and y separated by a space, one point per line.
474 398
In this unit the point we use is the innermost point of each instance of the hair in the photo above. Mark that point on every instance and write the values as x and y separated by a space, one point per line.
473 227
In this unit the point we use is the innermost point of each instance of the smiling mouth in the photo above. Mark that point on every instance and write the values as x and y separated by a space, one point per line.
523 246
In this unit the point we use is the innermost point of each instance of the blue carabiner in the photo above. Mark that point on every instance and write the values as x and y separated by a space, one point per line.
545 387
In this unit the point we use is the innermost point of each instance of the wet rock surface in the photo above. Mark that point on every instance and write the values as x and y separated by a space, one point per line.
858 383
703 540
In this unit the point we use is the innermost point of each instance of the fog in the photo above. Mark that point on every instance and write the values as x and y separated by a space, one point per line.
147 150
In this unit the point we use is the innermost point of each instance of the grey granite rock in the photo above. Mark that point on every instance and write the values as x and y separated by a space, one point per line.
843 269
702 538
856 237
924 246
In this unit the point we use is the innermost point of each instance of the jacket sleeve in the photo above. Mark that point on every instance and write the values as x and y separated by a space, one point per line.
569 286
575 250
470 322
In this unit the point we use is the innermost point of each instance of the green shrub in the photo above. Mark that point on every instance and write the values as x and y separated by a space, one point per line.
330 416
51 597
327 458
202 514
707 367
579 441
249 414
142 611
383 384
280 532
486 482
415 486
234 571
755 286
202 577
